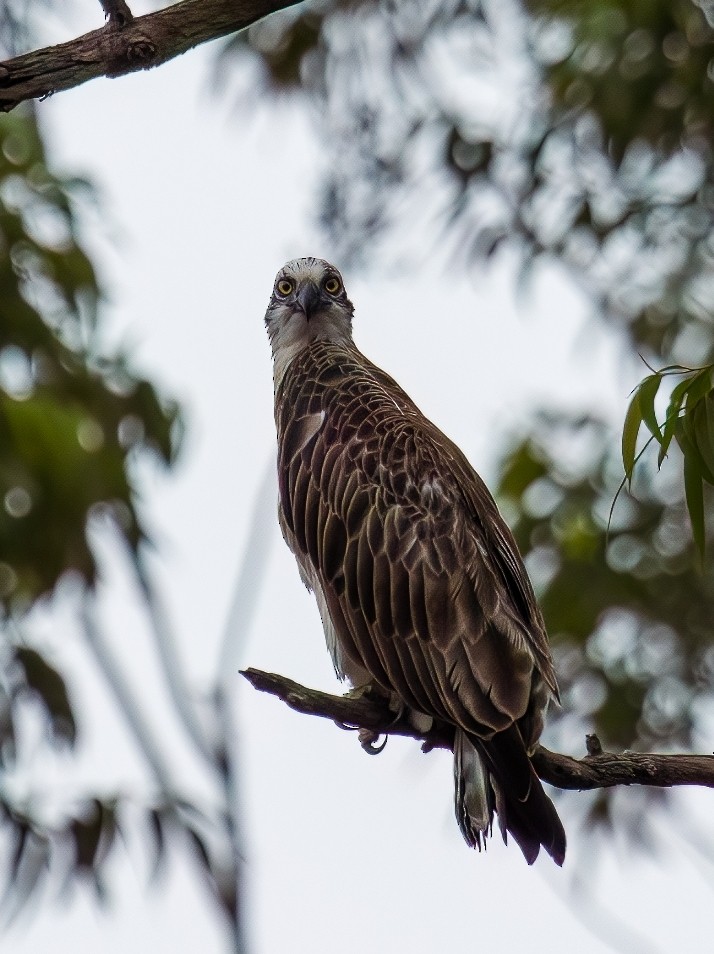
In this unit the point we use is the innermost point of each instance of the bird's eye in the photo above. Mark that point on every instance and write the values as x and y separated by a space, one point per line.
284 287
332 285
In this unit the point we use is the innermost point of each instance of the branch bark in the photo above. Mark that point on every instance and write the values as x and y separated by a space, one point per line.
137 43
597 770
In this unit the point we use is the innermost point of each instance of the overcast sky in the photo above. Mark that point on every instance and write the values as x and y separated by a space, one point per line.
201 206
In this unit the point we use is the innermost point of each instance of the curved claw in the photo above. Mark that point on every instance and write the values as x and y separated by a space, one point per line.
368 738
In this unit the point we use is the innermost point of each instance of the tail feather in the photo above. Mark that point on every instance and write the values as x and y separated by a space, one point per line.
497 774
473 793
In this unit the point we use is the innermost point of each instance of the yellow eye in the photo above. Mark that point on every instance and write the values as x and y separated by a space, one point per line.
332 285
284 287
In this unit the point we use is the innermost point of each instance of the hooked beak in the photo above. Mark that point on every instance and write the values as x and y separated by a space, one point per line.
307 300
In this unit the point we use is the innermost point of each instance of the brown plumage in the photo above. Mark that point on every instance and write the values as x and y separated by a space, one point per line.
418 579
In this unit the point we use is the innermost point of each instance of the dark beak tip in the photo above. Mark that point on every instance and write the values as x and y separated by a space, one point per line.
307 299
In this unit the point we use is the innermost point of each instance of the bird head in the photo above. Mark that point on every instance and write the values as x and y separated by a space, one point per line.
308 303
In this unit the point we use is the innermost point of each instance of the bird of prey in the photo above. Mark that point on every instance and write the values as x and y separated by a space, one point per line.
419 582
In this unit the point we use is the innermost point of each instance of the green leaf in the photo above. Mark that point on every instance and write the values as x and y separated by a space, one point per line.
647 392
677 397
693 488
700 385
690 448
630 430
709 400
703 433
691 390
668 430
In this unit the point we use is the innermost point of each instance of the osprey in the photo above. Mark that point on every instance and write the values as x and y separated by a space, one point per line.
420 585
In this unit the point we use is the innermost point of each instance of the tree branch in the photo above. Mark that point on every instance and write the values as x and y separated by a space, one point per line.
597 770
137 43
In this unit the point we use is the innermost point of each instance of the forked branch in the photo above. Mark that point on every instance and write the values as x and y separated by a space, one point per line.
597 769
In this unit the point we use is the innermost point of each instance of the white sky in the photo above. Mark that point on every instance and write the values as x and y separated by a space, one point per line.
344 852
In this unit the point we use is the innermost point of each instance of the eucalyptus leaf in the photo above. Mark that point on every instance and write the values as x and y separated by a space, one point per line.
630 430
647 392
693 486
703 431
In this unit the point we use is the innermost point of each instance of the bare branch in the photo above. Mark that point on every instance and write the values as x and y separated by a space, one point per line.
599 770
623 768
118 48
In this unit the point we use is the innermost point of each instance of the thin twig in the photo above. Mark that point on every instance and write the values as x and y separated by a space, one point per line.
179 689
128 703
602 770
251 574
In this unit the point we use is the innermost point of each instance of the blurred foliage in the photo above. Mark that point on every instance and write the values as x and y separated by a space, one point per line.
15 29
72 423
71 419
80 842
546 127
643 67
578 133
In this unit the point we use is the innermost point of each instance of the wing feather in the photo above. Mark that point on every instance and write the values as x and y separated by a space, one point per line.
365 580
417 601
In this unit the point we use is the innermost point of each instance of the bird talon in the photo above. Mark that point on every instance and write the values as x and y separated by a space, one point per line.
368 738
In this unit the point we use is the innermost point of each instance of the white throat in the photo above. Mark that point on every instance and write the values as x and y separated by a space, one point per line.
291 337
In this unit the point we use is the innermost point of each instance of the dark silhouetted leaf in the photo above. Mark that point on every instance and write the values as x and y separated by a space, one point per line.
695 501
199 846
49 686
703 433
156 821
86 832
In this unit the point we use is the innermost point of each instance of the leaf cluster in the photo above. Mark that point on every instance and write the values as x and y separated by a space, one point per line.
77 847
689 419
74 421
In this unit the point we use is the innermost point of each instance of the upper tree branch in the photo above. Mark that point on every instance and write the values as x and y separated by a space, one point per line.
598 770
125 45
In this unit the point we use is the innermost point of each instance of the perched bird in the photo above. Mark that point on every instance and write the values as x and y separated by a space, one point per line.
420 585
